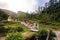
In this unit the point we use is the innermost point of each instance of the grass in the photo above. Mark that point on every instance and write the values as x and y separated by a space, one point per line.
24 34
15 25
28 34
50 27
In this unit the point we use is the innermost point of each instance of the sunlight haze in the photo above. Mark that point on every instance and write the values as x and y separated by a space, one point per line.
19 5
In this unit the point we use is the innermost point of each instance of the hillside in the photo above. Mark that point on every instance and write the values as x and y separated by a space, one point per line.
22 15
19 15
8 12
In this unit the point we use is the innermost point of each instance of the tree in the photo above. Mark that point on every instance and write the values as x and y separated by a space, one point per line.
51 11
3 15
55 1
51 2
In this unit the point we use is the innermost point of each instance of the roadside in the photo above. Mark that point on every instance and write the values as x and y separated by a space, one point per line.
57 34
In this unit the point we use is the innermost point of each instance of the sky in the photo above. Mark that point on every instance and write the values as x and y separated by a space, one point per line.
22 5
42 2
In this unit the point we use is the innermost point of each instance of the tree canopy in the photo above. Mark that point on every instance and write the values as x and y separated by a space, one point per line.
3 15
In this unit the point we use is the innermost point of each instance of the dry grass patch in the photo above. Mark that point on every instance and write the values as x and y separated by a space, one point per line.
28 34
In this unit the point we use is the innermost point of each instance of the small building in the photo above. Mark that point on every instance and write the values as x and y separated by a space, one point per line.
10 18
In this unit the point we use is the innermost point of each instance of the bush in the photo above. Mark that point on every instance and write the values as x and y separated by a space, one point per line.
3 30
19 29
3 15
31 38
42 35
52 34
14 36
15 27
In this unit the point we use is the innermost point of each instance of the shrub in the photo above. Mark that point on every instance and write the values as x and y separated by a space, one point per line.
31 38
52 34
3 30
14 27
14 36
42 35
19 29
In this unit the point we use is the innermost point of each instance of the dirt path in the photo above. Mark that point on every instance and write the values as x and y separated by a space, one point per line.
2 38
57 34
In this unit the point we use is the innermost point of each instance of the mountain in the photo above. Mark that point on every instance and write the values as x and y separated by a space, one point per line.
22 14
19 15
8 12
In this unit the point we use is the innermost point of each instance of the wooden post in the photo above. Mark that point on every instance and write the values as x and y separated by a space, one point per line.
48 35
38 26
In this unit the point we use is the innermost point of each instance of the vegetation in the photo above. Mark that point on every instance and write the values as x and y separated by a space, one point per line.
42 35
16 27
2 30
50 13
51 35
48 19
3 16
14 36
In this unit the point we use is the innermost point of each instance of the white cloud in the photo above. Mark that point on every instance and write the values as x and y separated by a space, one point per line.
3 5
20 5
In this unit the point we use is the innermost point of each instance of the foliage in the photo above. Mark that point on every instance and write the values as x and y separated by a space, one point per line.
3 15
3 30
19 29
52 12
16 27
48 14
42 35
52 34
14 36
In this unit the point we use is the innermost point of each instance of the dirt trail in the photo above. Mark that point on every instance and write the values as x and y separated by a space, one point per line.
57 34
2 38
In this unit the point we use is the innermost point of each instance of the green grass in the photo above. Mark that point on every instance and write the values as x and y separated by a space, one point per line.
15 25
49 27
28 34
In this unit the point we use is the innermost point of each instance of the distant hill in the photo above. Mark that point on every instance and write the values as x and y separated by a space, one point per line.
21 14
8 12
